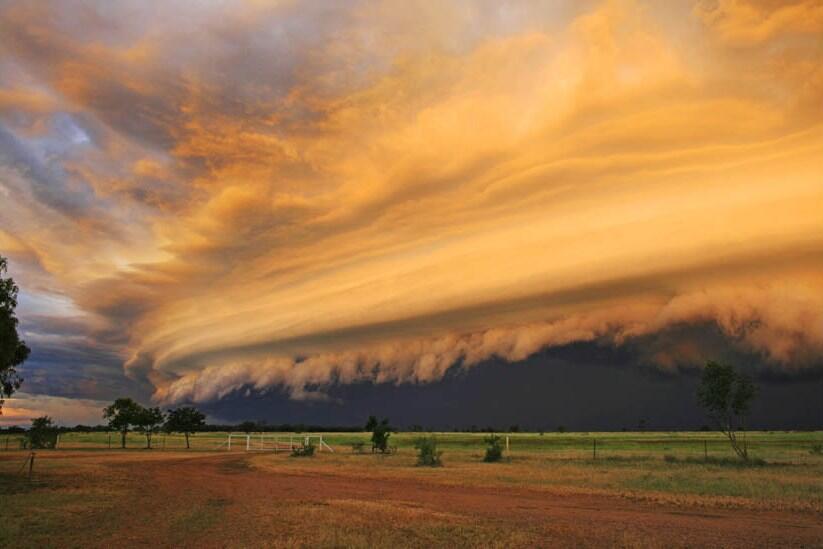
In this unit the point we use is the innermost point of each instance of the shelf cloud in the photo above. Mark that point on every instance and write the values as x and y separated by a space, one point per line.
211 196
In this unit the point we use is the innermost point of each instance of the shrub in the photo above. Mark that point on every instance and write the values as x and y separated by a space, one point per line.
42 434
307 450
494 452
817 449
381 431
427 453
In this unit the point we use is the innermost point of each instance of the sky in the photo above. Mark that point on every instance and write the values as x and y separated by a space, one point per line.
314 210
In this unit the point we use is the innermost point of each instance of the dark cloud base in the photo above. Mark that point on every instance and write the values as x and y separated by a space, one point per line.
581 387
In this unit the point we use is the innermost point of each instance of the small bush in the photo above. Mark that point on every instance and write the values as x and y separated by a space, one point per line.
427 453
817 449
494 452
42 434
307 450
670 458
381 431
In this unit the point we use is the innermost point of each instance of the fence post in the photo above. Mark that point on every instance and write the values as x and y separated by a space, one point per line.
507 443
229 442
248 442
109 441
705 450
7 443
31 465
594 449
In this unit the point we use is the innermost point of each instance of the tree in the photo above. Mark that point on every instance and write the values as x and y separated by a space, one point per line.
494 450
186 420
13 350
148 422
42 434
247 427
726 395
122 414
381 431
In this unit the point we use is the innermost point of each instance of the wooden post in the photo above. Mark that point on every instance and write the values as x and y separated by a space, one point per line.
229 442
507 443
31 465
594 449
57 441
248 442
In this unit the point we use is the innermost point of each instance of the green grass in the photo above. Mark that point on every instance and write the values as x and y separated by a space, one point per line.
76 489
767 445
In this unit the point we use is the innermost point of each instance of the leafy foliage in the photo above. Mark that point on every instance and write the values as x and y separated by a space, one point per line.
121 415
494 450
381 431
726 395
13 350
148 422
427 453
42 434
186 420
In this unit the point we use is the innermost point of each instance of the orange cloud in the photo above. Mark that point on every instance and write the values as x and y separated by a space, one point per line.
397 191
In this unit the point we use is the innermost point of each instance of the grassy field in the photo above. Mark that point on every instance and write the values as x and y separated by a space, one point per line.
84 494
767 445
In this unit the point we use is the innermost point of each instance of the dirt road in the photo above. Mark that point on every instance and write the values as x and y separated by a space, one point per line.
218 501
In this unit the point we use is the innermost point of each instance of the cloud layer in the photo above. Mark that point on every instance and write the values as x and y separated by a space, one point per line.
299 194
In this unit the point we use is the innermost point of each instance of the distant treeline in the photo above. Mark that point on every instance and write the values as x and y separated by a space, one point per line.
252 427
241 427
257 427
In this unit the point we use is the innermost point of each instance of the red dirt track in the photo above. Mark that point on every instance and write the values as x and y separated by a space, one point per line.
555 520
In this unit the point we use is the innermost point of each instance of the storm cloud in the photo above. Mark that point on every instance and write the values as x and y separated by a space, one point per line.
299 196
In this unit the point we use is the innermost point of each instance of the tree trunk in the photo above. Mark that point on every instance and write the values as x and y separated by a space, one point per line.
123 439
187 440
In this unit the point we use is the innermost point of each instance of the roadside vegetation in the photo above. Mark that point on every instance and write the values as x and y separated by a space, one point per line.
494 448
427 453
